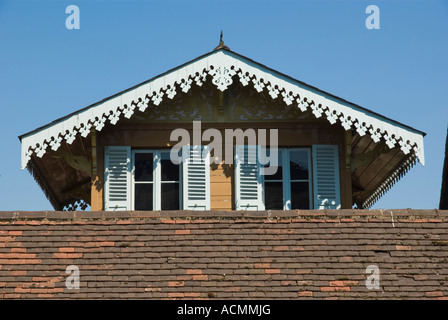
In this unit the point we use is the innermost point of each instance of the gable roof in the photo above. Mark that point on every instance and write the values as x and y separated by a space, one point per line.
232 255
221 65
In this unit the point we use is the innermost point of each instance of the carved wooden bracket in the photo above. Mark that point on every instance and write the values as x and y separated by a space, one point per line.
80 163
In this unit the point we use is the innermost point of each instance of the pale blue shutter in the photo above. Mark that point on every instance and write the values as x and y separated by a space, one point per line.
117 177
196 177
326 184
248 180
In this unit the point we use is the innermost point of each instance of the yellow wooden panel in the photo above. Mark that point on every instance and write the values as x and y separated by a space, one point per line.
220 189
225 204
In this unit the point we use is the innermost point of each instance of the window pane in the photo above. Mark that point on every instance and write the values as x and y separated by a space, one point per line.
143 196
298 161
300 197
143 166
170 196
170 171
273 195
279 174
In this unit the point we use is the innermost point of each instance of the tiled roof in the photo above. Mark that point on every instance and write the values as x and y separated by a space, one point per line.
235 255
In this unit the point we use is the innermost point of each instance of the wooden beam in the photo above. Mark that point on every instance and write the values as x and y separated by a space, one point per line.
348 189
348 149
221 115
94 168
96 190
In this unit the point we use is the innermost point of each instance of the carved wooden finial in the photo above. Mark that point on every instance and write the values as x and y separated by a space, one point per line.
221 44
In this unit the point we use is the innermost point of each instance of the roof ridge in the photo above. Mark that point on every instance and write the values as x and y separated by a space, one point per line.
308 215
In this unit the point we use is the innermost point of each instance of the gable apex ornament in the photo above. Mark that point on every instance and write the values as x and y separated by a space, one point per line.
221 44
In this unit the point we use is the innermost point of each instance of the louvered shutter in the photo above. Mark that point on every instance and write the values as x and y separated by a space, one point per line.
248 186
326 177
196 177
117 176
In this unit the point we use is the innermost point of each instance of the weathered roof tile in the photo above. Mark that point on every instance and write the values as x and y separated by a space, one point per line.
237 255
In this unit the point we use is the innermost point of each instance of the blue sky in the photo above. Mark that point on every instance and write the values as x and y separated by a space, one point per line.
399 71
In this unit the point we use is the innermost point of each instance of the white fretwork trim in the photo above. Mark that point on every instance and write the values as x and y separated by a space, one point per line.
222 65
76 205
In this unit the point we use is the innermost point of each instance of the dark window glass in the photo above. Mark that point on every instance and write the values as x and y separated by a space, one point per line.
170 196
279 174
143 167
298 161
170 171
273 195
143 196
300 197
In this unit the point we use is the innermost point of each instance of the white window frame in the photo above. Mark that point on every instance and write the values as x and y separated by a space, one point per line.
286 177
157 178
